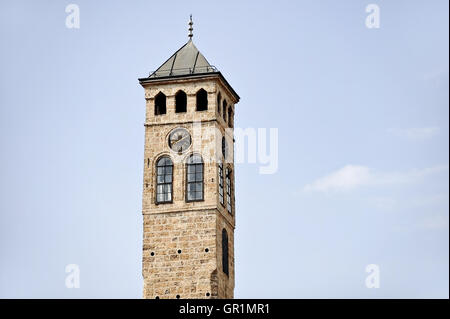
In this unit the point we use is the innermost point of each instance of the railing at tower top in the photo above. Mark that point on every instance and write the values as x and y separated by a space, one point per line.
182 71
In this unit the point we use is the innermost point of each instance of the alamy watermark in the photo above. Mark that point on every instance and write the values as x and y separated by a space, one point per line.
73 277
267 150
373 19
235 145
73 17
373 279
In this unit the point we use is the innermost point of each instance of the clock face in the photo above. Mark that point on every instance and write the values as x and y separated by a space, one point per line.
179 140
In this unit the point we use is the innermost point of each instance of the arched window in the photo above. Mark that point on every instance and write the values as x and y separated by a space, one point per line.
221 183
224 147
180 102
228 180
164 174
202 100
224 110
225 251
194 178
219 100
230 116
160 104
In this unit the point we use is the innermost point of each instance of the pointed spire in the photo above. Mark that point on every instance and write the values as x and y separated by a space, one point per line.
190 27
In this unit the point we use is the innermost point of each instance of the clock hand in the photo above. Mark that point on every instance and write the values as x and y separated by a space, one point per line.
178 138
179 141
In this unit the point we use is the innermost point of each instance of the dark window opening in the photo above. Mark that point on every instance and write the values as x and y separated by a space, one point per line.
230 117
202 100
224 147
194 185
180 102
160 104
228 180
219 100
225 251
224 110
164 173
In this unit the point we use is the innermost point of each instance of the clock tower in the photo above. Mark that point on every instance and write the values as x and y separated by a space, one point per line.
188 187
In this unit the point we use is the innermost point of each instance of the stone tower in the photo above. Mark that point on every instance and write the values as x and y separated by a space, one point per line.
188 189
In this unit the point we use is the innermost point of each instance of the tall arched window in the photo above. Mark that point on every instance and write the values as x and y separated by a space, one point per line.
219 100
164 174
224 147
230 116
180 102
228 180
224 110
225 251
160 104
194 178
221 197
202 100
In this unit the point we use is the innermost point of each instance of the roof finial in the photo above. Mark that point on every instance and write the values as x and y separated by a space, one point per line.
190 27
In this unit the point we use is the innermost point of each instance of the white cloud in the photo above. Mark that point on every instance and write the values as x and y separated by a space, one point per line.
438 78
346 178
415 133
436 74
435 222
431 200
353 176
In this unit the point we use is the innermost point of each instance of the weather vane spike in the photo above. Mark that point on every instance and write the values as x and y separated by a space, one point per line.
190 27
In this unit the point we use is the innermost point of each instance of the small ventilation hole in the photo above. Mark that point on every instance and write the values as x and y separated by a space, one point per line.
206 250
152 254
178 296
157 297
208 294
179 251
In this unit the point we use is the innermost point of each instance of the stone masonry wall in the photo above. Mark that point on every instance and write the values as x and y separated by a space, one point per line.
179 254
182 244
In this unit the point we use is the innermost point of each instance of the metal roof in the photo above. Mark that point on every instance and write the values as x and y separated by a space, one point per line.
186 61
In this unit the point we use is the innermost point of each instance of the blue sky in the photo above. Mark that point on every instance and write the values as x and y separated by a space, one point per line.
362 117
